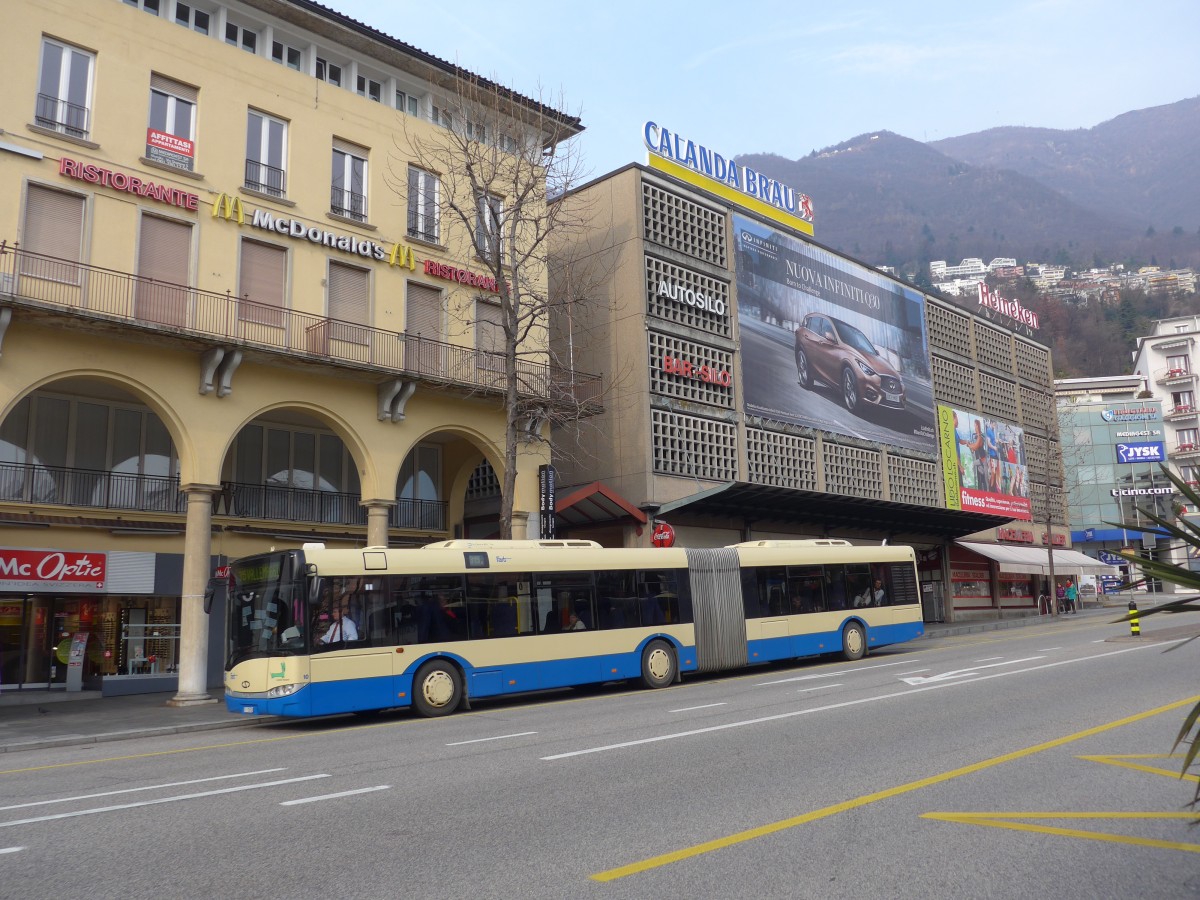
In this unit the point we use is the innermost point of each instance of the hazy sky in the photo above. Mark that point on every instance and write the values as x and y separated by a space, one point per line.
790 77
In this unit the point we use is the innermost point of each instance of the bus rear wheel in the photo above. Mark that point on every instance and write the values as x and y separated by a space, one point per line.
437 689
658 664
854 642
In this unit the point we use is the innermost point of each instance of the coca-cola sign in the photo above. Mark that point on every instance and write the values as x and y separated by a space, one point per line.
52 570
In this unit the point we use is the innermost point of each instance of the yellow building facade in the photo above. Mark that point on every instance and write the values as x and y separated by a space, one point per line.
233 316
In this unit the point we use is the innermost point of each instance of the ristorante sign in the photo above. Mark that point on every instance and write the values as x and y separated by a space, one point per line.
130 184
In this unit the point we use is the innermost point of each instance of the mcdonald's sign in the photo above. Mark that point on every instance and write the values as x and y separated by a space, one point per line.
228 206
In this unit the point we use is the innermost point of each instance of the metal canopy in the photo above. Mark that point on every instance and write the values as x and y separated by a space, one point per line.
760 502
595 504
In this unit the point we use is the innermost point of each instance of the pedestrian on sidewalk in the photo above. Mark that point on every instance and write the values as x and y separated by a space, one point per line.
1072 594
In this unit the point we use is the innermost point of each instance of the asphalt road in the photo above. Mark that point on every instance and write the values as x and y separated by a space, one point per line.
1007 764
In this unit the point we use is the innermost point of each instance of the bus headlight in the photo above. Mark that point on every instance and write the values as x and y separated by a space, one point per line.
284 690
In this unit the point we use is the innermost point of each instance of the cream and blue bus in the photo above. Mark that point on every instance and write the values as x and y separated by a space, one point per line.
317 631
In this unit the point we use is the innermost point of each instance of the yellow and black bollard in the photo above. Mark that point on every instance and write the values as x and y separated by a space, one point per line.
1135 629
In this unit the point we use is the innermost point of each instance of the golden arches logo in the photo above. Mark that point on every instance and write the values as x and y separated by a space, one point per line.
228 206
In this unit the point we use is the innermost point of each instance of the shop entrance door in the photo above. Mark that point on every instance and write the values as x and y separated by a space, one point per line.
39 642
12 621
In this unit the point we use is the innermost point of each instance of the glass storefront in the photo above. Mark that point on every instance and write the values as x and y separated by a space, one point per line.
127 636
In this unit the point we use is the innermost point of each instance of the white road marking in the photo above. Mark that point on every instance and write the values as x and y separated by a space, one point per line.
11 849
819 687
913 672
843 705
378 787
991 658
1048 649
149 787
690 708
499 737
104 809
836 674
963 673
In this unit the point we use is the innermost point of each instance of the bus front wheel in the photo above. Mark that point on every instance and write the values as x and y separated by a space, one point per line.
437 689
658 664
854 642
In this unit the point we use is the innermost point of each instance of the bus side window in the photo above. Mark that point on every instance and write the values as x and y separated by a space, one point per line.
835 587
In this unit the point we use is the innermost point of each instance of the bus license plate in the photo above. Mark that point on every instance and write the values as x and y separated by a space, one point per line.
248 710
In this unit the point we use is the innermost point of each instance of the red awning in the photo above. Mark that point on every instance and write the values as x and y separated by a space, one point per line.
595 504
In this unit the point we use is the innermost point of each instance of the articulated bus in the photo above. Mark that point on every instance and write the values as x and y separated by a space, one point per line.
318 631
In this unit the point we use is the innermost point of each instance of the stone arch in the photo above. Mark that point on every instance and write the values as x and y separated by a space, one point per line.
340 425
156 402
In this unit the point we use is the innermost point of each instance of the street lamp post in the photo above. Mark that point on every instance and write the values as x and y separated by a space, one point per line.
1052 495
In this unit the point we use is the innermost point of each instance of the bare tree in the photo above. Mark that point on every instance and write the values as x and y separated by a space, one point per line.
500 159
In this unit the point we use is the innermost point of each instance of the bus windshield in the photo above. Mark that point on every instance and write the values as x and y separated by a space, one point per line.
266 607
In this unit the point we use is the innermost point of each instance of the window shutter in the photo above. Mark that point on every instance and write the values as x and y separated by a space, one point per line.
423 323
174 88
424 312
164 261
347 147
165 250
264 280
53 223
349 299
489 327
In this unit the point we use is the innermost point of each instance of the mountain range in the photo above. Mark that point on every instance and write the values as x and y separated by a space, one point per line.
1127 190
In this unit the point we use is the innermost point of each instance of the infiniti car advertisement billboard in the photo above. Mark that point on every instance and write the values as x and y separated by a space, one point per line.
830 344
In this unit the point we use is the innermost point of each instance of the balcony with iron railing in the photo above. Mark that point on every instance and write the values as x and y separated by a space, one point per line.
1184 449
423 227
1173 375
1181 413
59 115
348 204
36 281
36 484
266 179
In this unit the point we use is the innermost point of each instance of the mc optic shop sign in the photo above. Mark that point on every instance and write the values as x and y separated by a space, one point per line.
52 570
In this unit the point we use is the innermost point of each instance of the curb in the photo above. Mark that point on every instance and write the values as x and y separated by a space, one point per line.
132 734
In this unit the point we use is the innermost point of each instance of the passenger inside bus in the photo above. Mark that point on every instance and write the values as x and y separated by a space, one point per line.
553 621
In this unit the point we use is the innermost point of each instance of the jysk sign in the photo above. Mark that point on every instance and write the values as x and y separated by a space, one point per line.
1144 451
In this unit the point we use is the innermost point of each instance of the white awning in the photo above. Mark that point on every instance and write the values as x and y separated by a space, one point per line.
1036 561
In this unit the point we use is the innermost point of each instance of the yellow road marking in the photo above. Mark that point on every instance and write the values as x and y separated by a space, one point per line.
998 820
1121 760
740 837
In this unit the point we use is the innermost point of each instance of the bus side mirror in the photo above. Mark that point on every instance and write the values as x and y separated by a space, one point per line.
209 593
314 589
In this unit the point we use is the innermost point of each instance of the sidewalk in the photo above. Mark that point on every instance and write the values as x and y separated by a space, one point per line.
37 720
